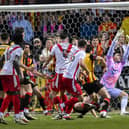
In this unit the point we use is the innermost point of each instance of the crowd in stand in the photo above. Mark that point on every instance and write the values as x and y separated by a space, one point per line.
82 23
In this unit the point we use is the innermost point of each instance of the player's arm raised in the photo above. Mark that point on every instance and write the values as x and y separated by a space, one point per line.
114 42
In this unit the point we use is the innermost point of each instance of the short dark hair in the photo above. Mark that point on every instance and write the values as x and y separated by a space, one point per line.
18 36
118 50
19 30
81 43
63 35
88 48
4 36
95 37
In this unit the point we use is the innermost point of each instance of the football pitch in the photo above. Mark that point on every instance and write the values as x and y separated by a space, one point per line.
88 122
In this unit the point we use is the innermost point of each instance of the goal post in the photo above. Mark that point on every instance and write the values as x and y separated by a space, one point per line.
67 6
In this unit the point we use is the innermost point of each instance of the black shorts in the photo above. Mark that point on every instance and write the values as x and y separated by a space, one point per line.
1 87
95 86
33 84
27 81
24 81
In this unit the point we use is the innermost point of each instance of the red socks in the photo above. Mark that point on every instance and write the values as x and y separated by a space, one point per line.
69 104
64 98
56 100
7 100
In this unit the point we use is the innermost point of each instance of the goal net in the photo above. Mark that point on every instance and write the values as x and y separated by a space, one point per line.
49 19
82 20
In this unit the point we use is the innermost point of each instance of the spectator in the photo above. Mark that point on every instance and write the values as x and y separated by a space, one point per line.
21 22
97 51
37 43
97 48
105 41
107 25
52 24
46 50
75 40
89 28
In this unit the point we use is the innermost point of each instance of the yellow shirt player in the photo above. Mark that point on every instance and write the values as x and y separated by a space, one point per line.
89 62
2 49
4 41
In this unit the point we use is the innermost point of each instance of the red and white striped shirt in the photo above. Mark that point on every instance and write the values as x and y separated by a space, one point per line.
10 55
62 52
73 70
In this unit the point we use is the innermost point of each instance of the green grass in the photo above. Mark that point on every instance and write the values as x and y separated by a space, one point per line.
88 122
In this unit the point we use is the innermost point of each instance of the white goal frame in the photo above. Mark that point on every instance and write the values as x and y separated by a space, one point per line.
67 6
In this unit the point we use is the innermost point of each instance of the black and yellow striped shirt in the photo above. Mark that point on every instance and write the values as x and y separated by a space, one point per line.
2 49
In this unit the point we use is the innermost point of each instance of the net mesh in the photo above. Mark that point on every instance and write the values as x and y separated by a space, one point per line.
71 21
69 18
83 21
